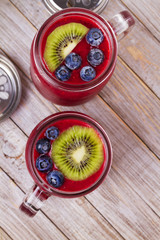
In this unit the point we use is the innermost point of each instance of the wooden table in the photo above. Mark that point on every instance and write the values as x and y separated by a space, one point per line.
127 204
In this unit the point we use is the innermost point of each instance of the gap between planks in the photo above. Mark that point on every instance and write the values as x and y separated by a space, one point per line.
136 75
7 235
134 133
138 18
22 14
119 1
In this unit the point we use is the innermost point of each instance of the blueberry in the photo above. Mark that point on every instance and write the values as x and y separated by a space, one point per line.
95 57
63 73
94 37
52 133
43 145
73 61
87 73
55 178
44 163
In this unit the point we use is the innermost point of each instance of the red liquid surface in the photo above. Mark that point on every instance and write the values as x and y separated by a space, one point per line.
69 185
82 48
74 91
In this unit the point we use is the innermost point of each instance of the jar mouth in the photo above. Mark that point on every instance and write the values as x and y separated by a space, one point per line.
38 42
33 138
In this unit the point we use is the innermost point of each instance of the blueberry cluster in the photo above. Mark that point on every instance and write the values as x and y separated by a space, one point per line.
73 61
44 163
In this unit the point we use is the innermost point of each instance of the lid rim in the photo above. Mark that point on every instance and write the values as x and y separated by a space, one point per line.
13 85
53 7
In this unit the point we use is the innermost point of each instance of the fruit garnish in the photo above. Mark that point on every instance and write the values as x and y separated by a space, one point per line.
61 42
63 73
55 178
87 73
95 57
73 61
78 152
94 37
43 146
52 133
44 163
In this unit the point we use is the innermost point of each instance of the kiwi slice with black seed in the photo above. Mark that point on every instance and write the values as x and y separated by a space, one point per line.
78 152
61 42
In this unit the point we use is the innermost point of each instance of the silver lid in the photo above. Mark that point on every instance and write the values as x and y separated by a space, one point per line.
96 6
10 87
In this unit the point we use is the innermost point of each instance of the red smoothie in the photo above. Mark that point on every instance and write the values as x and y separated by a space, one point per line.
74 91
82 48
69 185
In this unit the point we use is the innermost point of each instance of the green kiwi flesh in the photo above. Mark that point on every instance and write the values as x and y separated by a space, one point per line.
61 42
78 152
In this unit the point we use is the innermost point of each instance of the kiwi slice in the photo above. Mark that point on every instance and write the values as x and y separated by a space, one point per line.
61 42
78 152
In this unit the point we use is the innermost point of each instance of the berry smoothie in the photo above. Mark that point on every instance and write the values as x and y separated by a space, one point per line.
72 56
44 159
68 154
93 50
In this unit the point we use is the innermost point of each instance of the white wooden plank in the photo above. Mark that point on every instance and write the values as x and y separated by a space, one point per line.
4 235
37 11
18 225
148 12
139 50
129 213
124 209
16 35
135 104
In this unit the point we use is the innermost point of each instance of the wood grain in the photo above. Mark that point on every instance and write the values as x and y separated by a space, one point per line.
139 49
16 223
135 104
148 12
4 235
15 37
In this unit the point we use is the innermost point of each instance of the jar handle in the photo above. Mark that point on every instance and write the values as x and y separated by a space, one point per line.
33 201
122 23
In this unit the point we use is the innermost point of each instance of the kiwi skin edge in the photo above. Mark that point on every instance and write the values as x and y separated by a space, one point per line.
78 152
61 42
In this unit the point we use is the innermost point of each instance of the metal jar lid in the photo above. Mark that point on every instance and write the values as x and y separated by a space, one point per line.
96 6
10 87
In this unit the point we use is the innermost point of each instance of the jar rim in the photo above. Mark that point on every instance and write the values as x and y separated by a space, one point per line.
41 126
87 85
